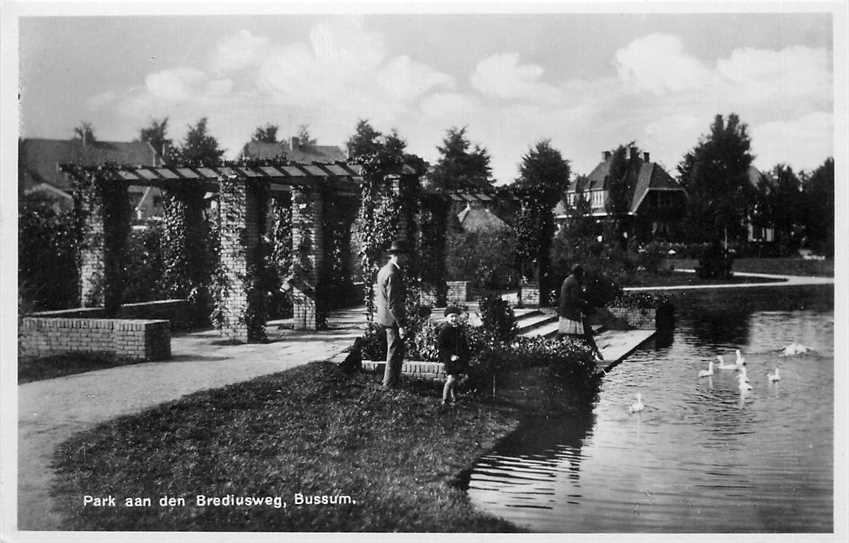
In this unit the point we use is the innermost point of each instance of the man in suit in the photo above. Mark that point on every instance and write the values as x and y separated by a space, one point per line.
389 300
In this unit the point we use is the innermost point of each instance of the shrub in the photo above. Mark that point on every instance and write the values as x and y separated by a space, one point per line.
497 317
483 258
144 265
715 262
640 300
47 254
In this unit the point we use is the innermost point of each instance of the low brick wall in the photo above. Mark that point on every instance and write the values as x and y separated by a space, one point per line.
644 319
175 310
417 369
127 339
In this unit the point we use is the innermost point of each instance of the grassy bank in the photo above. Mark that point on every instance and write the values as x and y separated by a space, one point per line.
49 367
311 430
780 266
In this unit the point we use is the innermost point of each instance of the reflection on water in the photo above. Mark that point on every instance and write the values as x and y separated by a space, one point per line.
702 457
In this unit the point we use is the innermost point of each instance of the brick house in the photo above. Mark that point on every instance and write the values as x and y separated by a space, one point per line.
38 169
657 200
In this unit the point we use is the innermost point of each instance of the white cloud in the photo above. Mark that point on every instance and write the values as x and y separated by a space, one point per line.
101 100
450 106
175 85
805 142
502 76
405 79
240 51
658 63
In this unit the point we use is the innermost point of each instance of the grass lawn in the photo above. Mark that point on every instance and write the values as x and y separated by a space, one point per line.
781 266
310 430
673 278
48 367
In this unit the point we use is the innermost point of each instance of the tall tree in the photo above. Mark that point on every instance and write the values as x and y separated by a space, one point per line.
365 141
715 174
304 136
84 132
156 136
784 203
460 165
543 178
200 147
265 134
818 215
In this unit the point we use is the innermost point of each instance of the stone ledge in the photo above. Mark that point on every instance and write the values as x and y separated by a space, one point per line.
414 368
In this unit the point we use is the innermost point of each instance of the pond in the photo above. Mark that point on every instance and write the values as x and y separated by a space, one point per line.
701 456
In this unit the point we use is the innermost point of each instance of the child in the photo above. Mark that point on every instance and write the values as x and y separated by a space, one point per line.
453 352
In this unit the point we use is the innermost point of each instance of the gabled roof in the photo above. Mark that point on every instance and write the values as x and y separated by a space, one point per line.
476 219
652 177
39 159
303 153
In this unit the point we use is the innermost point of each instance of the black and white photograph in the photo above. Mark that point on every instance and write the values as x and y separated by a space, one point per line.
364 268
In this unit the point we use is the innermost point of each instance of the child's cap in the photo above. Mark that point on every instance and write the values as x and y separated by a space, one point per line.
452 309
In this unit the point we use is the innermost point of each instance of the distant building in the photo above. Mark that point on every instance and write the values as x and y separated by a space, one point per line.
655 199
762 183
293 151
39 160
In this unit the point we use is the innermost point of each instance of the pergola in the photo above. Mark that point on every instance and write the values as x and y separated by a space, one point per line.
240 201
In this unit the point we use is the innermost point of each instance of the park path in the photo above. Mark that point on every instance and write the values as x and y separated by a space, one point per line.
51 411
782 281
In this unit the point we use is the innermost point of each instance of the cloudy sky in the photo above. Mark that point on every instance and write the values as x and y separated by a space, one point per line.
586 81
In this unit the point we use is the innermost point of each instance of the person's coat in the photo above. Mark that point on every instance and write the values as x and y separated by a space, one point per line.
389 297
572 302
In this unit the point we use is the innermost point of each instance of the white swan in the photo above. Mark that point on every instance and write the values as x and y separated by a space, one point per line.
794 349
743 383
744 375
740 359
723 366
638 405
708 372
773 377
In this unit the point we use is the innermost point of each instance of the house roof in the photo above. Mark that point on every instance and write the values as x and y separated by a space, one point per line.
302 153
39 159
475 219
651 176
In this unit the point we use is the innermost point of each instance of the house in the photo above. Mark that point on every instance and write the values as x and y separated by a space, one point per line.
293 151
39 160
657 200
755 233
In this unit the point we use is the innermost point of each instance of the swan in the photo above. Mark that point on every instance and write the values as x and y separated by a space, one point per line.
743 383
773 377
723 366
744 375
794 349
708 372
740 359
638 405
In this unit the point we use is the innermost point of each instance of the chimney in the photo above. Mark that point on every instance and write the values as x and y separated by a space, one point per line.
634 154
605 155
294 143
646 157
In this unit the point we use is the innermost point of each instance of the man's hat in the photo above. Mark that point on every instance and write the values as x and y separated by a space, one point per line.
397 247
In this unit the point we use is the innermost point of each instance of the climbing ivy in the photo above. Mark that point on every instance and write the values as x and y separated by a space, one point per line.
101 189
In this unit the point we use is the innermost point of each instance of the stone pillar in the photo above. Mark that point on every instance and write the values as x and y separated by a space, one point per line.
92 265
307 257
239 234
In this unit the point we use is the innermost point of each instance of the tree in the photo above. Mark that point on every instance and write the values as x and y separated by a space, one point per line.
199 147
784 203
84 132
265 134
621 182
544 177
364 142
304 137
818 215
155 135
460 166
715 174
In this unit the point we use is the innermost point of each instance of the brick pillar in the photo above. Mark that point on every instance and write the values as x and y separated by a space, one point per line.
92 253
308 257
239 234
